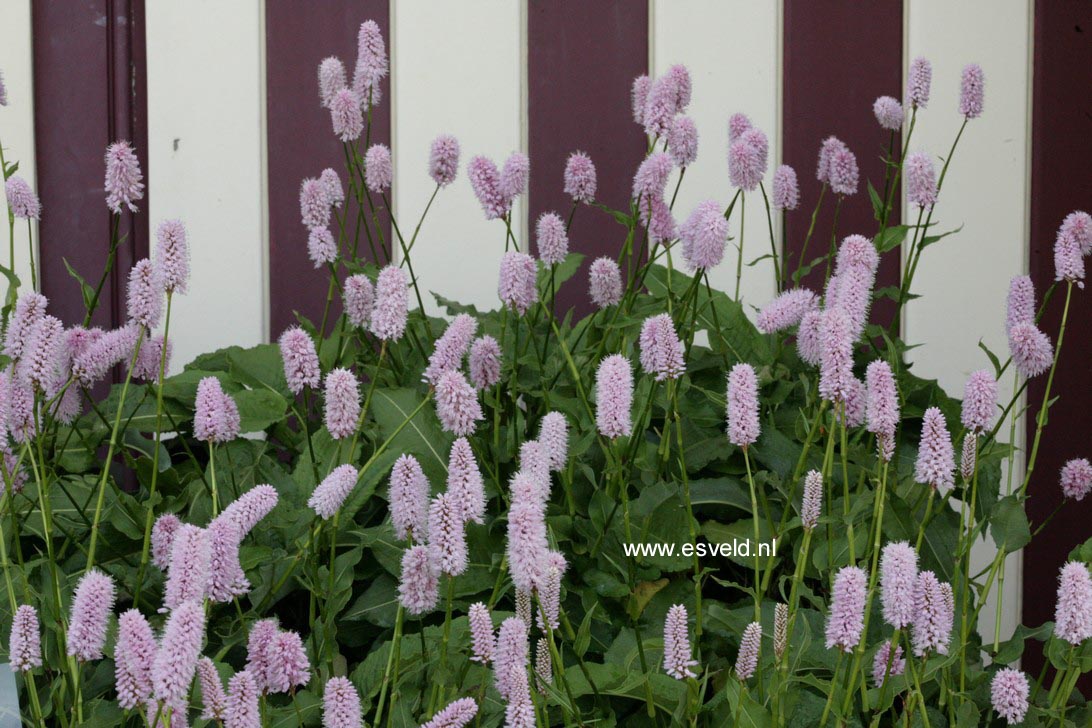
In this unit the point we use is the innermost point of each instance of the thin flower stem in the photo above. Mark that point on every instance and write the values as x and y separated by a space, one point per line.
674 396
739 259
807 238
773 242
110 258
754 518
392 660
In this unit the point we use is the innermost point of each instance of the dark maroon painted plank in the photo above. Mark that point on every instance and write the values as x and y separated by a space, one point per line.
838 57
301 139
1061 181
582 59
90 89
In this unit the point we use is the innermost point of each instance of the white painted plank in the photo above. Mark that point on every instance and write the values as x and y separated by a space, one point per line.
205 138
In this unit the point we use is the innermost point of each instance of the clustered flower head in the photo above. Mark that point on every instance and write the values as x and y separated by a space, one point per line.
517 284
25 643
704 235
639 96
1073 613
843 171
314 204
216 416
331 79
286 664
330 494
918 82
614 396
359 297
456 715
551 239
898 579
511 657
451 347
527 543
175 661
835 355
371 63
1031 349
742 396
979 401
921 179
443 159
682 141
749 644
651 178
346 116
483 641
886 664
123 178
378 168
134 653
967 456
605 282
486 182
1072 243
936 457
340 704
883 407
409 499
446 535
485 362
321 246
342 403
514 176
787 310
22 202
661 349
888 113
457 404
335 193
1009 692
786 189
213 697
846 620
678 659
971 91
580 178
1020 303
388 320
145 294
811 506
301 364
747 157
188 573
1076 478
934 610
173 256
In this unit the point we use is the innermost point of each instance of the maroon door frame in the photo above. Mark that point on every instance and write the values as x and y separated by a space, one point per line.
1061 181
582 59
90 89
838 57
301 139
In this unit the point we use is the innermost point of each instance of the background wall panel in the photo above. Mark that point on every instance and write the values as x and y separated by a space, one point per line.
964 278
741 75
17 118
447 80
205 150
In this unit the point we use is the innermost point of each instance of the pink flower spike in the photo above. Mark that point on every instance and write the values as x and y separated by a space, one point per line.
742 395
1073 613
188 575
342 403
446 535
921 180
678 659
979 401
786 311
682 141
173 256
485 179
331 79
371 63
150 356
605 282
514 176
683 86
936 458
176 660
1078 225
745 163
261 635
580 178
378 168
554 435
216 417
827 150
517 284
443 160
301 364
314 204
391 304
527 543
880 667
241 707
111 348
485 362
639 97
661 349
651 178
457 404
704 236
1020 303
811 507
614 397
91 607
29 310
359 297
661 106
967 457
134 653
749 644
145 295
3 91
123 178
846 620
451 347
335 193
408 499
456 715
40 366
226 579
22 202
1076 479
1068 258
512 656
933 614
888 113
1009 692
330 495
786 189
836 355
843 172
345 115
898 578
918 81
419 588
340 704
737 124
321 246
251 507
883 407
552 570
25 643
971 91
551 239
1031 350
286 663
163 533
483 641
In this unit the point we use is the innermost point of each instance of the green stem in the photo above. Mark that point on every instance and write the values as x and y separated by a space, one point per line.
755 517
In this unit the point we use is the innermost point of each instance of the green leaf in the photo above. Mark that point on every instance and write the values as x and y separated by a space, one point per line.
1009 525
891 238
421 436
